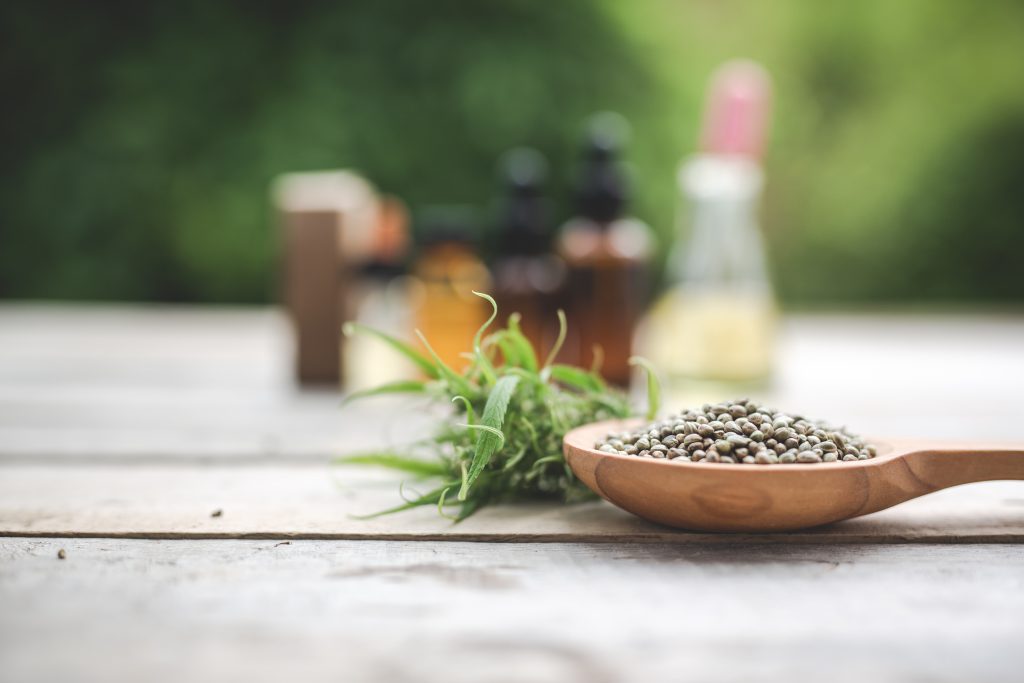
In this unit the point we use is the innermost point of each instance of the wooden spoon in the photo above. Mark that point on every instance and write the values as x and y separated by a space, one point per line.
727 497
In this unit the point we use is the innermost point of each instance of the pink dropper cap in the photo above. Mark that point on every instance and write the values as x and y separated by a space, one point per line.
736 118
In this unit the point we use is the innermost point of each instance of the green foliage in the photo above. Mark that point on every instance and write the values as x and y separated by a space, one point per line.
139 139
515 451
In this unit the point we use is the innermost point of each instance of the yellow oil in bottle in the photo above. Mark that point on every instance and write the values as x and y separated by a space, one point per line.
446 310
716 336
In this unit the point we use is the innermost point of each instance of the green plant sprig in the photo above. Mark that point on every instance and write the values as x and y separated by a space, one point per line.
503 440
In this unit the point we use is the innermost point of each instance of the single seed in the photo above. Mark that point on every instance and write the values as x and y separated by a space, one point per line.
737 439
723 446
808 456
670 441
830 457
757 435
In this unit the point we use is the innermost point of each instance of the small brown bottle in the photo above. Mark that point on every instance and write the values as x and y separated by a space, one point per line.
447 271
528 277
607 255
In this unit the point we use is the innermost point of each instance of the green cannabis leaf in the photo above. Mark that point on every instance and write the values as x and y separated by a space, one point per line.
513 452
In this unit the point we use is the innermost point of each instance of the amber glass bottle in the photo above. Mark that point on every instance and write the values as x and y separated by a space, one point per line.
607 255
528 277
447 271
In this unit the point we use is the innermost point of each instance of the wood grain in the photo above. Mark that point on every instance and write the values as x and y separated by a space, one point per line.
171 611
743 498
122 421
310 501
114 383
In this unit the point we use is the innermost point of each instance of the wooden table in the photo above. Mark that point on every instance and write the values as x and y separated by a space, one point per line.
205 536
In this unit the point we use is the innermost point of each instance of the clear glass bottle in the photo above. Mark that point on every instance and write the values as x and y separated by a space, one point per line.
717 321
378 297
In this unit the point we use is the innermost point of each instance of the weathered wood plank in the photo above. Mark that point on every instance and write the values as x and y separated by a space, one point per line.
308 501
117 610
112 383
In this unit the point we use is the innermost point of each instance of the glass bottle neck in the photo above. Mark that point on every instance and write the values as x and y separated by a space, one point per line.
722 246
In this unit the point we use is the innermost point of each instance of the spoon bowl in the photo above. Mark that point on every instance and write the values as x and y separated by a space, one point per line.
763 498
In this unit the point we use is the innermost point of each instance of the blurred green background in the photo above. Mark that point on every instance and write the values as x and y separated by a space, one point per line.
139 139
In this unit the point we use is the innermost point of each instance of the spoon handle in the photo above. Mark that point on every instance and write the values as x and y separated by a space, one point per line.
949 465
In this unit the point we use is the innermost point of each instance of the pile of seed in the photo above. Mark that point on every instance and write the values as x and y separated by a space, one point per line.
739 431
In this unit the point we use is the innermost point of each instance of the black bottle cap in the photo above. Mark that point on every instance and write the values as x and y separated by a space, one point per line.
453 223
522 223
603 189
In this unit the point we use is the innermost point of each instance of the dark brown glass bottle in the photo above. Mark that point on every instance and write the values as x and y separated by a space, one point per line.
528 277
607 254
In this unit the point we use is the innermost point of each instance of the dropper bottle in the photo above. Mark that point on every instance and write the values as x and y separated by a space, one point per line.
717 322
607 253
528 277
